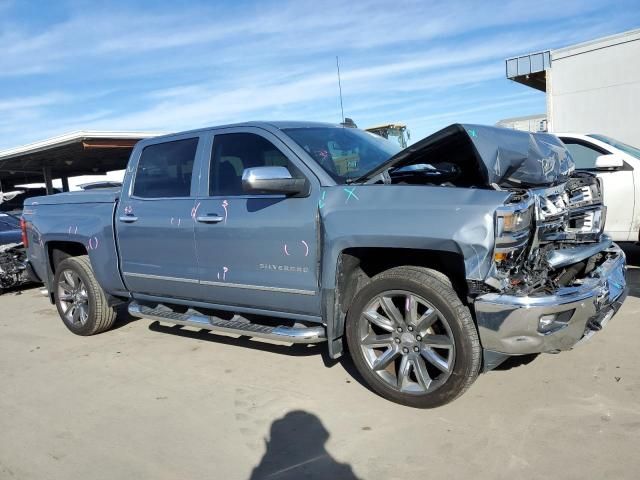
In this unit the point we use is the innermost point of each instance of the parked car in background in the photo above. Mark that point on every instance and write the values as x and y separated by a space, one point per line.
13 265
14 204
618 165
99 185
9 229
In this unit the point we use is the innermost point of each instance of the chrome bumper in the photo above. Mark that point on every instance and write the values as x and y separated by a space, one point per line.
512 325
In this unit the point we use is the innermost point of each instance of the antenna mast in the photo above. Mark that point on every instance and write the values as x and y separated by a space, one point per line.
340 88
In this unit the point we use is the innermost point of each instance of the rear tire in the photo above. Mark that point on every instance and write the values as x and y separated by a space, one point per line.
412 339
80 300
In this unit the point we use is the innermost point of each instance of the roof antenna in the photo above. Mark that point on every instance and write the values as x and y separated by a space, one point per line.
340 89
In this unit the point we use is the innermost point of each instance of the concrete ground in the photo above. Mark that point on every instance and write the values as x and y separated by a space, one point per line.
147 401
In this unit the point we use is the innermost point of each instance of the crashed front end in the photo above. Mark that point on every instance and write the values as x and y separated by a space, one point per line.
556 278
553 277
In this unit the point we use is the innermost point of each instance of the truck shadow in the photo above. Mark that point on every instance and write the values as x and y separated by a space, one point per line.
123 317
633 273
632 251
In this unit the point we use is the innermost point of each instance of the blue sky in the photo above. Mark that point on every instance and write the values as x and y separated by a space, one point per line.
176 65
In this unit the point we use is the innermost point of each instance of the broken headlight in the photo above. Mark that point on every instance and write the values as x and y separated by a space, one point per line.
513 230
513 221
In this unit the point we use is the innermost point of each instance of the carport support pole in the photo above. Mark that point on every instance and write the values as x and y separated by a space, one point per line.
65 184
48 181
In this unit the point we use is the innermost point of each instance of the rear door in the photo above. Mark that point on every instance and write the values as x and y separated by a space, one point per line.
256 250
618 186
154 222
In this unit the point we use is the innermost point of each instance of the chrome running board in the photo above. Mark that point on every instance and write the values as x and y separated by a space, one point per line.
281 333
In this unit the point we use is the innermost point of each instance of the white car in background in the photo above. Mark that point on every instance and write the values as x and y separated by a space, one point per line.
618 165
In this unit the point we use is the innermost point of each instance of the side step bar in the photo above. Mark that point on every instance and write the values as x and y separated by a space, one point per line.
281 333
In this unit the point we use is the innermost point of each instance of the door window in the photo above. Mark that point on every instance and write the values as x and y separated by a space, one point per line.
232 153
584 155
165 169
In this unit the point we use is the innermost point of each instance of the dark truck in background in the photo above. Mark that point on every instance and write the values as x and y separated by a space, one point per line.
434 263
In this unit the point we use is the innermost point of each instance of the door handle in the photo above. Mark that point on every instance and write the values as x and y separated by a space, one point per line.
128 219
210 218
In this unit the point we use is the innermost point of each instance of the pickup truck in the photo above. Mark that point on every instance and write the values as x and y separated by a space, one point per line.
430 264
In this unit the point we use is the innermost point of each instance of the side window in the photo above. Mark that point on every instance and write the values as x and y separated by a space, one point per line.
165 169
584 156
232 153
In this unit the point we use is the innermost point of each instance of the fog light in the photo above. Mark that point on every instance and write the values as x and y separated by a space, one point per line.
553 322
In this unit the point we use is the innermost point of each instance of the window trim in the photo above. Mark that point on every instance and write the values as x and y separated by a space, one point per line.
194 171
207 159
597 148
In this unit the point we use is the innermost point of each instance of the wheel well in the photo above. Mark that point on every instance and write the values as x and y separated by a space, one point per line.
357 266
58 251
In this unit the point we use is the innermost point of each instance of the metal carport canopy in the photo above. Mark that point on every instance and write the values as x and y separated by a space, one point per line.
68 155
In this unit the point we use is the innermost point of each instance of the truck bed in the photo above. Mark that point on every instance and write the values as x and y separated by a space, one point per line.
84 219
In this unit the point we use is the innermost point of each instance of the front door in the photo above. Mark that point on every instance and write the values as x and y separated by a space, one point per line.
154 222
617 186
257 251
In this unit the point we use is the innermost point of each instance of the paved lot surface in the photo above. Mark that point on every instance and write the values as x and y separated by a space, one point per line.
147 401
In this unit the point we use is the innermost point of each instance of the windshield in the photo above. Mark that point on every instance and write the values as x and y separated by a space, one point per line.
633 151
344 153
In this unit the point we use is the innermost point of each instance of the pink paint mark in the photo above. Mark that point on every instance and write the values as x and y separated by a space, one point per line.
285 250
93 243
224 273
194 211
128 210
306 253
225 204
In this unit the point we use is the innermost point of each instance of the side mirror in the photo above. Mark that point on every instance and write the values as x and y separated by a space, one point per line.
609 162
272 180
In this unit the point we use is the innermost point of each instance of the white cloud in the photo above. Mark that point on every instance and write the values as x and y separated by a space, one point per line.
125 67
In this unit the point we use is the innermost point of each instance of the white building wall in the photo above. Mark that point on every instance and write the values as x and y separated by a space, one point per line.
531 123
595 88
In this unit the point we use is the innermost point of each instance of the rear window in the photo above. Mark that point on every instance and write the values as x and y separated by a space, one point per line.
165 169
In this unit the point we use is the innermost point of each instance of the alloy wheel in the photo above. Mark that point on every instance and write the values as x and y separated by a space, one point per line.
73 298
407 342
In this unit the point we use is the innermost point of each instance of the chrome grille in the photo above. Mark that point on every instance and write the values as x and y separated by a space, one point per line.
572 212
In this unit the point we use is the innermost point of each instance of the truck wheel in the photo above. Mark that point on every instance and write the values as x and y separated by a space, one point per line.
412 339
80 300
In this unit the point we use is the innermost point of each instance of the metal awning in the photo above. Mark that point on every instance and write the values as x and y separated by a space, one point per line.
69 155
530 70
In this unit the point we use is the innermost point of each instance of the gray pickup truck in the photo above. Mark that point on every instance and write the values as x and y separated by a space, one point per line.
433 263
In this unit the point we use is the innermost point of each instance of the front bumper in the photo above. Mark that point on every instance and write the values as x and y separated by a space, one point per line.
510 325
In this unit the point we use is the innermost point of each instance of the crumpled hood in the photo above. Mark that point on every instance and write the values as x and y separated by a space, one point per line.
501 156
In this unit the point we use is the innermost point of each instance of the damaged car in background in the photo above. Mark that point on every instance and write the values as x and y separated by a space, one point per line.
432 263
13 256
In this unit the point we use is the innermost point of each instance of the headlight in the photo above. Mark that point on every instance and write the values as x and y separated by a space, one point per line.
513 230
514 220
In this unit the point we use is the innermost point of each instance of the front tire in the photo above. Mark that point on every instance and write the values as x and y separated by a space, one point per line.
80 300
412 339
